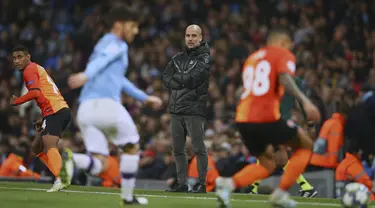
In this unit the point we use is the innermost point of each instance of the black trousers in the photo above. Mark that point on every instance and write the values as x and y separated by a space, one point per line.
192 126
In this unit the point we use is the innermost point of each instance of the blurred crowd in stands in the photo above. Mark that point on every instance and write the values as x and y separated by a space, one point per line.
334 44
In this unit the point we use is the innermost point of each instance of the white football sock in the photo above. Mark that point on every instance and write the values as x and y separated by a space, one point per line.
88 163
128 169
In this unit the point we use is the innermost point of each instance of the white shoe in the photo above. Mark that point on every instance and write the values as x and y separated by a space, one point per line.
224 188
57 186
136 201
280 198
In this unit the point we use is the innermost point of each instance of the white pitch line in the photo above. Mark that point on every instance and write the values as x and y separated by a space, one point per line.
160 196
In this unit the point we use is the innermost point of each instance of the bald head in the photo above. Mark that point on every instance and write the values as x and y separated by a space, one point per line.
194 28
193 36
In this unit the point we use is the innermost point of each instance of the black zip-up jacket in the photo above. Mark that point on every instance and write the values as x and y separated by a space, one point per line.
186 77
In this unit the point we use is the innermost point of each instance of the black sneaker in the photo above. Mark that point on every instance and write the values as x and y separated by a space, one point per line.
309 193
136 201
179 188
199 188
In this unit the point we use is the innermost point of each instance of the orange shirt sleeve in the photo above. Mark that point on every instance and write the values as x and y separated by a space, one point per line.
31 78
287 64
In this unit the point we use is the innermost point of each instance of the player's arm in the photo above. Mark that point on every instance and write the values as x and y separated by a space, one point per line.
287 81
286 66
291 87
197 76
105 56
297 104
31 77
131 90
168 80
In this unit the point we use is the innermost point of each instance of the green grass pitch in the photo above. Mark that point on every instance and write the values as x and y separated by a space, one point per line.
33 195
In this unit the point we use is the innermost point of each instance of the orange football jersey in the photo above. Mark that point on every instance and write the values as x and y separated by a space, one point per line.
261 96
36 78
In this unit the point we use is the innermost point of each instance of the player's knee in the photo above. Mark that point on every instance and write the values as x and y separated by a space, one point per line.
281 156
268 163
130 149
305 140
49 141
268 159
36 146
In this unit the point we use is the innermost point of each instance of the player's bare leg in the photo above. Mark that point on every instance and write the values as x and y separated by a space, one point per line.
302 145
248 175
37 147
307 190
54 161
128 167
282 197
92 163
54 157
281 156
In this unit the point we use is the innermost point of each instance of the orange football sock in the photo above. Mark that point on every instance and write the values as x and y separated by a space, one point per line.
249 174
296 166
54 161
43 157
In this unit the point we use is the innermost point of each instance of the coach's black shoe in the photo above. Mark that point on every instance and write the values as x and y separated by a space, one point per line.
199 188
179 188
309 193
136 201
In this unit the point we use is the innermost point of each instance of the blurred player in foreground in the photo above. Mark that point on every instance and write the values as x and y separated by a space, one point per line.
267 72
55 111
101 116
288 103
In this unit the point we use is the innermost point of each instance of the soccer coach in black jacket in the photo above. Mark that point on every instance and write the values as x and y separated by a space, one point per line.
186 77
